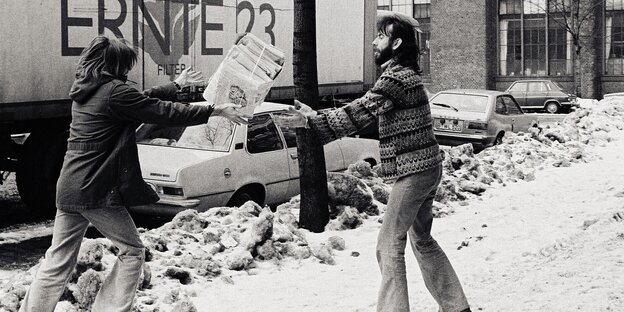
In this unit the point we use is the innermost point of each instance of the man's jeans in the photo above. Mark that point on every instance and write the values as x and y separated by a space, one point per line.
409 211
118 289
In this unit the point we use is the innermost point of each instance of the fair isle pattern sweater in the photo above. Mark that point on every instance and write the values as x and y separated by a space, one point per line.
399 104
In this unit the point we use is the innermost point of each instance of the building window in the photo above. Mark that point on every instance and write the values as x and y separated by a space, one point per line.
534 47
560 48
532 40
384 5
510 7
421 11
510 47
614 37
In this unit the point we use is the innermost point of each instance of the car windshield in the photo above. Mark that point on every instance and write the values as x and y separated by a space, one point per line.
216 135
462 102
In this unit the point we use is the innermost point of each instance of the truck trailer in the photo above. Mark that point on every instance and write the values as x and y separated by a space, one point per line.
41 41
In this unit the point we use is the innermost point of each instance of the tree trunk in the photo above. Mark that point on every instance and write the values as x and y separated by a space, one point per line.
578 74
314 213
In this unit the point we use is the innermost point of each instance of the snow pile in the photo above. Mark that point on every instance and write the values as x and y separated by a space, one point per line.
520 155
192 248
355 195
196 248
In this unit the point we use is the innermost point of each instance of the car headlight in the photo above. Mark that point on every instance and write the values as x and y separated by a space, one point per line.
166 190
176 191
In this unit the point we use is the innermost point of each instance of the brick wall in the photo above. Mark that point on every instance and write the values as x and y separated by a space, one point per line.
463 47
612 85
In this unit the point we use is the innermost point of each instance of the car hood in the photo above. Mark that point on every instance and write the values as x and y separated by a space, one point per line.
451 114
163 163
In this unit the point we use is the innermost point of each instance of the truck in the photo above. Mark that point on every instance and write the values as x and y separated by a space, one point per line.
41 41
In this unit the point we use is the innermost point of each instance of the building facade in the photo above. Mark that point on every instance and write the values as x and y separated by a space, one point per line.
487 44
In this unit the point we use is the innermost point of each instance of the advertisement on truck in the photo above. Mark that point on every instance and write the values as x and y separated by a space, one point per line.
41 42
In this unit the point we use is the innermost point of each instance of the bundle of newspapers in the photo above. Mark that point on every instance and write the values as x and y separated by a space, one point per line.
246 74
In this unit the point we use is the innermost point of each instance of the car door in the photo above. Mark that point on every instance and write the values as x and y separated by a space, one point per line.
514 113
290 137
518 90
500 119
536 94
521 121
268 156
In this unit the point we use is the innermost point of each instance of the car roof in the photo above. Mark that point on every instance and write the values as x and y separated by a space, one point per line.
270 107
474 92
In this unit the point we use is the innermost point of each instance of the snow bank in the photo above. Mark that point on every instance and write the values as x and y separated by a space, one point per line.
192 248
561 144
197 248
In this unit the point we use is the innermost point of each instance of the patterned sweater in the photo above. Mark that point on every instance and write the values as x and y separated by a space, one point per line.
399 105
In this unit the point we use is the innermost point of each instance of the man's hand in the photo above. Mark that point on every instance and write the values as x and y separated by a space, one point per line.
297 116
189 77
230 111
305 109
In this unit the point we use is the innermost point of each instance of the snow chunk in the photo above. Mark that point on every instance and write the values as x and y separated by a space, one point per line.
86 288
239 259
346 189
184 305
189 221
181 275
323 253
336 243
348 218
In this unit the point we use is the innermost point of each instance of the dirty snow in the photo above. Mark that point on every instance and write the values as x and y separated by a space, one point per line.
535 224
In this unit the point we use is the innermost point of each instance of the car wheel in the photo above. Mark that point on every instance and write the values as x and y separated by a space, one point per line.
244 195
552 107
371 162
499 139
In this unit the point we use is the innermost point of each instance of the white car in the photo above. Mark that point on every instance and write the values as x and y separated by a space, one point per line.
480 117
222 164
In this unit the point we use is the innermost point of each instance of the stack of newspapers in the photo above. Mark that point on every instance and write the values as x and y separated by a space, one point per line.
246 74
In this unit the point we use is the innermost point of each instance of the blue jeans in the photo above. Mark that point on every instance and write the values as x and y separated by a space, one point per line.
119 287
409 211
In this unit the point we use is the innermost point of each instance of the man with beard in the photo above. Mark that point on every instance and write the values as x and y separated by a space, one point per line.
409 153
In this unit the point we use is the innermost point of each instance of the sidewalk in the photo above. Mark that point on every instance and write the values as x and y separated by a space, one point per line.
546 245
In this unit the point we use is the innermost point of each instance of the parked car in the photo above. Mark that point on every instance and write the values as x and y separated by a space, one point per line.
542 95
480 117
222 164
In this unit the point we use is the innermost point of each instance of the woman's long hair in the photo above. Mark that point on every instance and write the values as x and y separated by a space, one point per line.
408 53
112 55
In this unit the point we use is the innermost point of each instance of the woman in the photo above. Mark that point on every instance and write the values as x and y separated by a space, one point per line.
101 175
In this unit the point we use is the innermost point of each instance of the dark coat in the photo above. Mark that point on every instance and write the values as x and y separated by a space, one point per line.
101 167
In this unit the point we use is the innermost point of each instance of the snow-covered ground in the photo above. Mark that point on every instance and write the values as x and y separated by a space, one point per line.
552 244
536 224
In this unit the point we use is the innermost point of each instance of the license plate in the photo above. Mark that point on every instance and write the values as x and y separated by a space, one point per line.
448 124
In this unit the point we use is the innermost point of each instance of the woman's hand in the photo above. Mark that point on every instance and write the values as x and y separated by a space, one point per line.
230 111
297 116
189 77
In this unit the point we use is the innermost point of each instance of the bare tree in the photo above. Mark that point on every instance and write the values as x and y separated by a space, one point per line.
575 16
314 213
